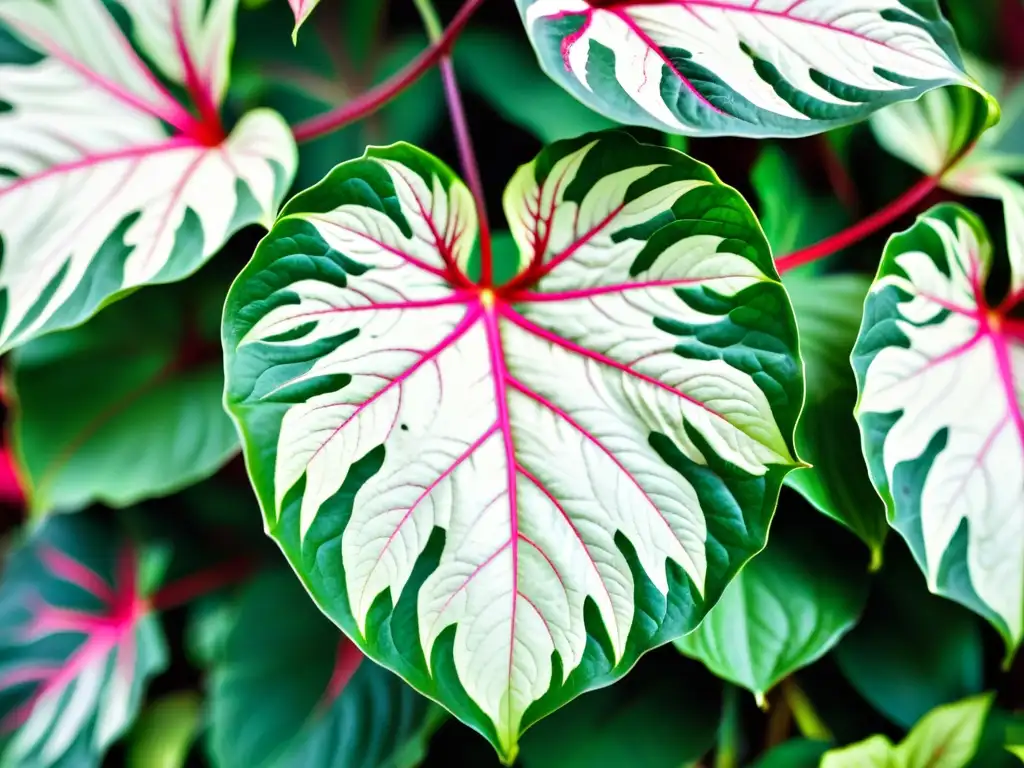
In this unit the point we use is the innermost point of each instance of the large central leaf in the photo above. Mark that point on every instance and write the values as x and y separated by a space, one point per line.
507 493
107 181
743 67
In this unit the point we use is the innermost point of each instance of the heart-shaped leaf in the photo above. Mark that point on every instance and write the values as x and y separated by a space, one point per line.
87 402
296 692
941 380
743 67
507 493
786 609
78 643
129 186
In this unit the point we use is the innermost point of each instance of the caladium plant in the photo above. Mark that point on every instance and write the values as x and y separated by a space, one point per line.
478 460
509 460
78 642
131 185
941 375
743 67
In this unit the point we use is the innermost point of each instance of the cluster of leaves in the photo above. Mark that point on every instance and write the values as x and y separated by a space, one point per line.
508 466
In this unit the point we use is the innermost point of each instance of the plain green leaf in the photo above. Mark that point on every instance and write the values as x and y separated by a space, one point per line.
788 607
288 690
502 70
139 386
165 732
912 651
797 753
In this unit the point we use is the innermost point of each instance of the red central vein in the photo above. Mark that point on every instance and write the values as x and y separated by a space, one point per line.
209 131
501 380
553 338
468 321
168 145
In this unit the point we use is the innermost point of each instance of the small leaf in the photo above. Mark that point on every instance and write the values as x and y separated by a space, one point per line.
946 737
89 401
896 660
165 732
736 67
787 608
295 692
301 9
78 643
130 187
609 429
941 381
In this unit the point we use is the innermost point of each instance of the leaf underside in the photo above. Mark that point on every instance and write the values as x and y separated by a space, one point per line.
507 493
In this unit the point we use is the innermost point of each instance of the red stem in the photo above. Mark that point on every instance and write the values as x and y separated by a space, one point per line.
375 98
470 168
899 207
189 588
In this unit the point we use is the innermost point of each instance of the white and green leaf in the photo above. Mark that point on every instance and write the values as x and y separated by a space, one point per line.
611 426
941 379
129 187
744 67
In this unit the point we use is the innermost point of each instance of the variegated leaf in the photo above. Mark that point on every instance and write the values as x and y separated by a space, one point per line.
743 67
301 9
129 186
950 136
78 643
941 380
456 469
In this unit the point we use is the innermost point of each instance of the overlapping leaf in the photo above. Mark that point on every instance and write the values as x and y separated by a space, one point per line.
77 644
301 9
139 386
787 608
127 186
947 737
743 67
941 380
296 692
478 463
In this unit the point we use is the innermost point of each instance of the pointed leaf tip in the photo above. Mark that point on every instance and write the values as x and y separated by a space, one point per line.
538 427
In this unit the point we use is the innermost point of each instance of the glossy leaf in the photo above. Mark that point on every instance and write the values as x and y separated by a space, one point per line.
896 660
941 380
77 644
90 401
948 135
610 427
787 608
301 9
295 692
947 737
129 187
743 67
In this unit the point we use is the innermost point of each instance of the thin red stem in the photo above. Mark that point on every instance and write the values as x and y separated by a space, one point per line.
375 98
199 584
470 167
899 207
